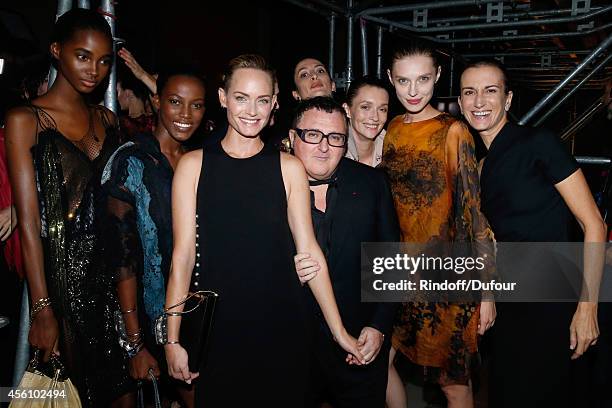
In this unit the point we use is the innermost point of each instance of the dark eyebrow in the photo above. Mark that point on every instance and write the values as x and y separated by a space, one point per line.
86 51
492 86
300 69
467 87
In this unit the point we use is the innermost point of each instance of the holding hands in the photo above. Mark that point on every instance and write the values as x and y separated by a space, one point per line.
370 341
350 345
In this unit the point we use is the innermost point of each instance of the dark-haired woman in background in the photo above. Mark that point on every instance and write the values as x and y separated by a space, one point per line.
367 105
138 183
311 78
56 149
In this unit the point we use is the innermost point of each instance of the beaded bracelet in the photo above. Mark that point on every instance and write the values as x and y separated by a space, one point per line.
39 305
132 349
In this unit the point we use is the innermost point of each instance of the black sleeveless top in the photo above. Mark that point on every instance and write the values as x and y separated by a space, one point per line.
259 336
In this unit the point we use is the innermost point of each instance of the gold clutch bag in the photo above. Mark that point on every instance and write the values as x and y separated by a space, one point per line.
44 385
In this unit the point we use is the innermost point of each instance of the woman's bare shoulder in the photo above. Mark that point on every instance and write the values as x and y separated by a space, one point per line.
190 163
290 163
192 157
21 115
21 124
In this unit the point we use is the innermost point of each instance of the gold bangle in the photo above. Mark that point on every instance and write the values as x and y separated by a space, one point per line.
38 306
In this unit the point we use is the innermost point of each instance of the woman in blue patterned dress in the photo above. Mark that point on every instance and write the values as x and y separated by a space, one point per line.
138 184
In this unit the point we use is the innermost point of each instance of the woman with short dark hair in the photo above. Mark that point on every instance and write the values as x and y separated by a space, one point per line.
531 189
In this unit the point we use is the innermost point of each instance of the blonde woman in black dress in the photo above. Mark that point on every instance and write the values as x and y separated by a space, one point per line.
241 210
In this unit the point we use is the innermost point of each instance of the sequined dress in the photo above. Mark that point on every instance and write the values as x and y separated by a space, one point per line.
68 187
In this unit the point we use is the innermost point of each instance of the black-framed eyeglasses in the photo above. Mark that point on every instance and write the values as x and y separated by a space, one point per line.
314 136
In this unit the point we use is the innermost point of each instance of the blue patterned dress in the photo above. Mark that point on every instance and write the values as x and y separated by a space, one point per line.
137 181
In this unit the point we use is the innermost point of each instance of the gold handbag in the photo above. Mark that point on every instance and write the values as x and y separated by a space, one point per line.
44 385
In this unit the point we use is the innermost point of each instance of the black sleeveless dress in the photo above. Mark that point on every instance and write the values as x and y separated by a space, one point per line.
259 346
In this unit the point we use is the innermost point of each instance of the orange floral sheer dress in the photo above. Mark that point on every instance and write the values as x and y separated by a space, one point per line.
434 179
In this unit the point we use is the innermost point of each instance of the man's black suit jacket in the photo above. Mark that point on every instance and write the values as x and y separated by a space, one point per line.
363 212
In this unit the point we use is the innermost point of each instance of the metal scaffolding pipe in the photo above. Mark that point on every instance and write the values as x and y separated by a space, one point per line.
602 47
593 160
539 13
62 7
544 83
422 6
522 37
526 54
379 43
553 72
451 76
584 118
307 6
509 24
349 46
492 38
332 40
110 96
22 353
364 46
584 80
542 69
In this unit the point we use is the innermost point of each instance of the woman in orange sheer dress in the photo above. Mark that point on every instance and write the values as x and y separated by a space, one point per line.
429 157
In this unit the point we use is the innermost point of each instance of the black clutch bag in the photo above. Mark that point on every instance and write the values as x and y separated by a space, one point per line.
196 325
